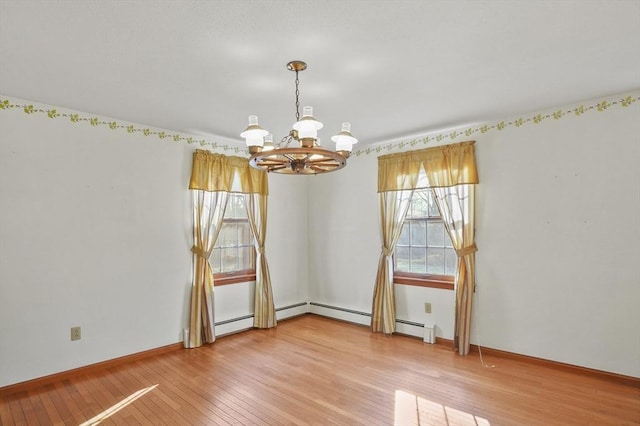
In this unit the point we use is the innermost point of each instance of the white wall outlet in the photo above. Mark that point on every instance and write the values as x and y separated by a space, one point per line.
75 333
427 308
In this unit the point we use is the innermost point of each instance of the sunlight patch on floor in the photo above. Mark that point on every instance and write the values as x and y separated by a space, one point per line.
411 410
117 407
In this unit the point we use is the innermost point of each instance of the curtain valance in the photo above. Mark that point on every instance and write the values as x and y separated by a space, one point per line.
216 172
444 166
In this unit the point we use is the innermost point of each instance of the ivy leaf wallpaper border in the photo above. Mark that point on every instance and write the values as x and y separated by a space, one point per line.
535 118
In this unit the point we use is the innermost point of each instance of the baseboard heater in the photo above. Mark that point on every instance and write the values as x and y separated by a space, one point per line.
321 305
365 314
336 308
244 317
233 320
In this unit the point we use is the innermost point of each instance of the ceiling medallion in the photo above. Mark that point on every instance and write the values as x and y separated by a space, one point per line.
298 152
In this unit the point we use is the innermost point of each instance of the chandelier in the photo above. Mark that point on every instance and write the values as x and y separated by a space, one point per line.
298 152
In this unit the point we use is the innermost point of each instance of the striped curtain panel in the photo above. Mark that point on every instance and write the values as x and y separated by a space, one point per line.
393 210
456 205
208 212
264 308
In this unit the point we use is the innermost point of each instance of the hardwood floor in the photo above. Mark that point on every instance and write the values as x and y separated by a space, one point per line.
314 370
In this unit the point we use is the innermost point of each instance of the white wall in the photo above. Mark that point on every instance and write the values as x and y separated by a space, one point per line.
95 231
557 231
287 239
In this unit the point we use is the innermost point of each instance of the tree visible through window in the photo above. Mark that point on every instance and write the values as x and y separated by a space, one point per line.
424 252
233 256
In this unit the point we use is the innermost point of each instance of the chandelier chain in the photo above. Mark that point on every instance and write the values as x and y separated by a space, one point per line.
297 97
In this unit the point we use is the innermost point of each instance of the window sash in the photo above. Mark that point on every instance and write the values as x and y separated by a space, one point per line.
424 254
233 258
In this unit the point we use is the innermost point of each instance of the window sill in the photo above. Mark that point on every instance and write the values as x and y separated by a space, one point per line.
233 278
444 283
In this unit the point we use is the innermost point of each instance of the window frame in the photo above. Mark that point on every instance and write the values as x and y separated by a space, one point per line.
241 275
445 282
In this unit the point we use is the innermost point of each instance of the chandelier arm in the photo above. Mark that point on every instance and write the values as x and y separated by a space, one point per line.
273 163
318 169
274 160
327 165
274 168
321 161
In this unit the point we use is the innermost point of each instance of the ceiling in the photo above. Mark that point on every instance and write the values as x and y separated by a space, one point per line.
394 69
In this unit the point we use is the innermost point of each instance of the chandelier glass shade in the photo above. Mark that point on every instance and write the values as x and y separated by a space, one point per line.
298 152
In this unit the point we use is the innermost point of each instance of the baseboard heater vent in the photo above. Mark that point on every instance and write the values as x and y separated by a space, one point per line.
234 320
291 306
364 314
416 324
322 305
283 308
351 311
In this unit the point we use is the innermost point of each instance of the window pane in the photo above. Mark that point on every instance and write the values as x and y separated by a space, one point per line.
244 234
401 259
215 261
404 234
451 262
228 235
418 260
229 259
433 207
238 207
435 234
244 258
419 205
235 207
418 233
435 261
230 212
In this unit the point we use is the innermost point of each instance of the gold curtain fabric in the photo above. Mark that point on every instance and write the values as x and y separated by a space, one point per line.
393 209
451 173
213 177
264 308
456 205
216 172
444 166
208 212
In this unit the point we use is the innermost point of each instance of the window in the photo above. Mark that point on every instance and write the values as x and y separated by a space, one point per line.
424 254
233 258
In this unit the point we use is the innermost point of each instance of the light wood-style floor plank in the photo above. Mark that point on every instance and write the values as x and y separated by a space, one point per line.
312 370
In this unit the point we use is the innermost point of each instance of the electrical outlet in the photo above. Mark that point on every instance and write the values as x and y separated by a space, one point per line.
427 308
75 333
